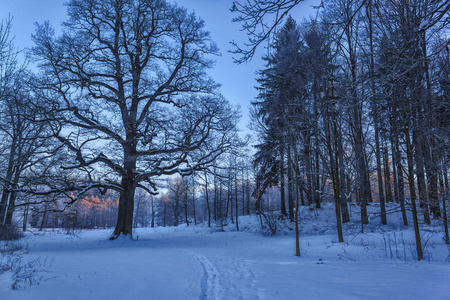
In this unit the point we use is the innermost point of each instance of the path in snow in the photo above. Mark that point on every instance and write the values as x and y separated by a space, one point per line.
210 281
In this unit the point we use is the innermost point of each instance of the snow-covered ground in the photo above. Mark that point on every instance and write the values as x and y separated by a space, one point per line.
200 262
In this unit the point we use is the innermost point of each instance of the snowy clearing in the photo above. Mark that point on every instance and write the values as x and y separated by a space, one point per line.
198 262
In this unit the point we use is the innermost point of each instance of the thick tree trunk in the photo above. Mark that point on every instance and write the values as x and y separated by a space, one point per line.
124 223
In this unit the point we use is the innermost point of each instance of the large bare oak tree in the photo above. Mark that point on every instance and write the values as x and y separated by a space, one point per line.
130 95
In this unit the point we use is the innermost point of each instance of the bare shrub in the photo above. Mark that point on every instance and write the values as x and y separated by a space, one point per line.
10 232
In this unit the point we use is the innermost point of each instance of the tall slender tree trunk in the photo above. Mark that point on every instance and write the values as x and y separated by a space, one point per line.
421 185
236 200
444 202
230 197
412 190
401 188
343 196
309 175
387 175
375 113
282 181
243 191
248 193
207 199
394 168
25 218
290 184
432 183
316 181
186 198
317 177
331 134
379 173
193 200
7 182
336 183
136 217
44 217
431 157
297 184
215 195
297 232
153 213
13 195
356 108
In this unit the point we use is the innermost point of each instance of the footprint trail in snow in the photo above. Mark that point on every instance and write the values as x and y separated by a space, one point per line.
210 281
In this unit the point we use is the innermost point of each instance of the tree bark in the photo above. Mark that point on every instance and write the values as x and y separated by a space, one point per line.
444 202
387 175
401 189
124 223
343 196
282 181
193 199
290 184
412 190
4 202
236 199
207 200
421 185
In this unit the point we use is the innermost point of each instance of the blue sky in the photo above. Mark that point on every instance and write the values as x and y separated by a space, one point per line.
238 81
